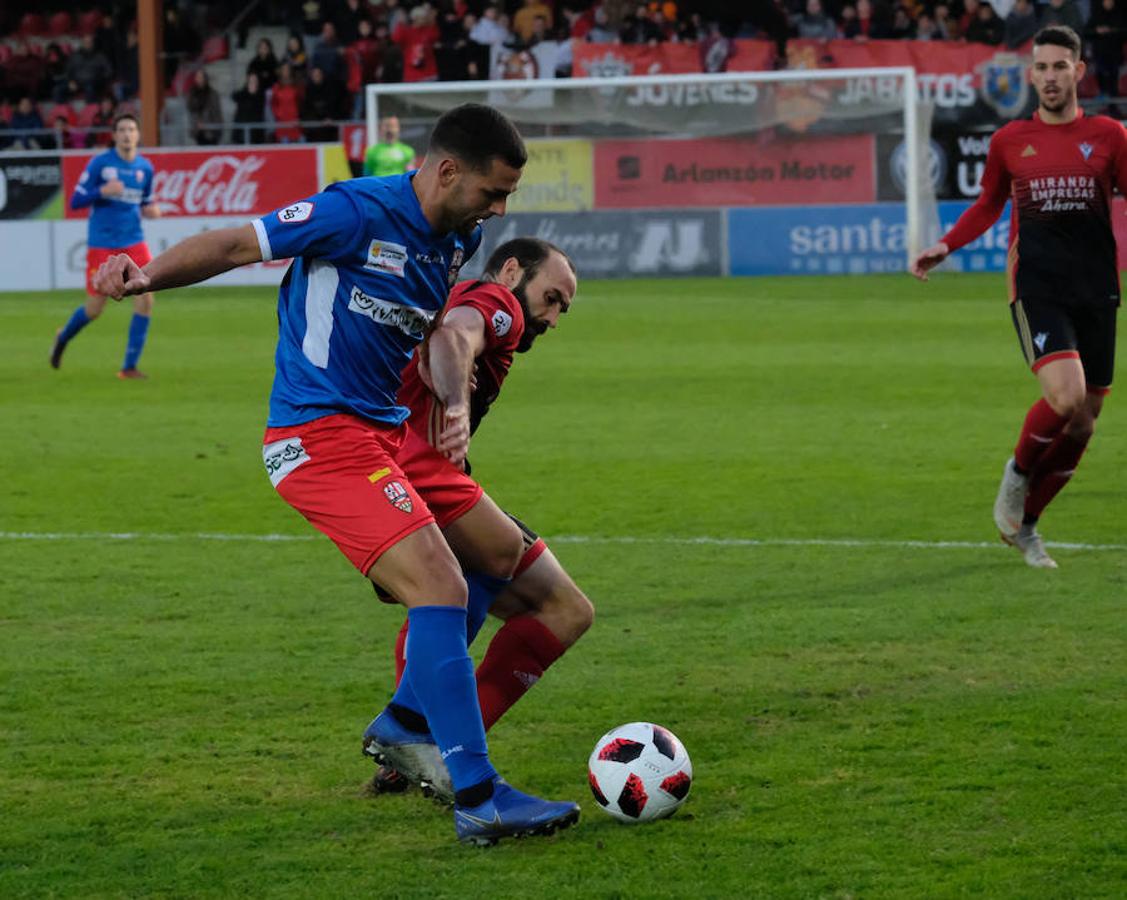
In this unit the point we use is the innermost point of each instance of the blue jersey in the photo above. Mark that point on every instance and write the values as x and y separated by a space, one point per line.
368 277
115 222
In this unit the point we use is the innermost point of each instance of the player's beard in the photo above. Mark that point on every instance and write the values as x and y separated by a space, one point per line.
1058 102
466 229
532 328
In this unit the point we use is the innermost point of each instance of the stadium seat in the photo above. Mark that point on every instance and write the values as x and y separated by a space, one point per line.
214 49
85 118
1089 87
32 25
89 21
60 24
182 80
5 53
56 110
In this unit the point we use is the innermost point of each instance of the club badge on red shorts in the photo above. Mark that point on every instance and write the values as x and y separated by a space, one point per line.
397 496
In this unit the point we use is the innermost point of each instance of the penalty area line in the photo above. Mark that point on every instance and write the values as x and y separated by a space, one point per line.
845 543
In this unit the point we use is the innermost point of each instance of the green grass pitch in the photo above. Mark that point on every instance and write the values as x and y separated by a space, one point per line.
867 718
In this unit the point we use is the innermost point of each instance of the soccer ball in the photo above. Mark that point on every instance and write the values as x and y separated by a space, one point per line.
639 772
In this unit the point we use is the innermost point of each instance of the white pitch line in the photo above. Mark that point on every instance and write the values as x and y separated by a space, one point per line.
854 543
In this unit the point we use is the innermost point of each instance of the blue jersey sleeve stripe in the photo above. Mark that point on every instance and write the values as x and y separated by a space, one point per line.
263 240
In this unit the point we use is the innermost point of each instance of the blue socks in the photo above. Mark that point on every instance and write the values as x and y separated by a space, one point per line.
77 321
440 674
482 591
138 329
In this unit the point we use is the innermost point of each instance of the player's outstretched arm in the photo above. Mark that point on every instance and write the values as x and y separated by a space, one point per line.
980 216
193 260
928 259
452 349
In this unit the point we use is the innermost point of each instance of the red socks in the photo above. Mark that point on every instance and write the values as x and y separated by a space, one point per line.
1041 426
517 657
401 653
1053 471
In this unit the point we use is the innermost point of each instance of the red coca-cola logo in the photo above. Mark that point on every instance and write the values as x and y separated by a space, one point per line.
220 185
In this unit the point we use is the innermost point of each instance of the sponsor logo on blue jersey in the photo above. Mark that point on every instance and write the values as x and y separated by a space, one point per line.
360 294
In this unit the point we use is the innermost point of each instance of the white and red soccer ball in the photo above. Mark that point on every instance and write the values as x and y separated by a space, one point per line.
639 772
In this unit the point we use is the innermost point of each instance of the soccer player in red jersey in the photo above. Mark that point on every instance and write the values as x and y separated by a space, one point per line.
1059 169
526 286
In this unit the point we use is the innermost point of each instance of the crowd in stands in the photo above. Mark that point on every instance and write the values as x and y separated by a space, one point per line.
65 74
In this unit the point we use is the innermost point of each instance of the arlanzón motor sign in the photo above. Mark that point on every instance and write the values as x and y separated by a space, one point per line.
734 172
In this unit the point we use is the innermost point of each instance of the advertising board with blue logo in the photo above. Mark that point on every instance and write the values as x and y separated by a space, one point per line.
846 240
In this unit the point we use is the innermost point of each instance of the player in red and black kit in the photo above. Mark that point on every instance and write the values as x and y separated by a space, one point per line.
526 286
1059 169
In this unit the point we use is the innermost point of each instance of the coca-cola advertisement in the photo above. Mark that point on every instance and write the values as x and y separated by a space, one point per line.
220 182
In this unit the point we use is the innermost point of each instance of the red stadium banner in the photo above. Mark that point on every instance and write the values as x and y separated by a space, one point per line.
964 81
221 182
608 60
734 172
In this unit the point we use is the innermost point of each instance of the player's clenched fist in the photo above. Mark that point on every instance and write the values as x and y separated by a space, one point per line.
120 277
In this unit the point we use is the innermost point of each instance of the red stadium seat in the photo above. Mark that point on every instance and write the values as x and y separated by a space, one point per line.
89 22
5 53
59 109
182 80
86 115
1089 87
215 48
59 24
32 25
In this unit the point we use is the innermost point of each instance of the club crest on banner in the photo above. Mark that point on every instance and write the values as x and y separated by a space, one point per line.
1004 85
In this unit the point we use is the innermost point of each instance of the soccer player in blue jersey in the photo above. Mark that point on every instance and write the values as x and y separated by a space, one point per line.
374 259
117 186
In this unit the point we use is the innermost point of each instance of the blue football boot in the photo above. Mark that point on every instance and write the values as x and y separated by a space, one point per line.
413 754
509 813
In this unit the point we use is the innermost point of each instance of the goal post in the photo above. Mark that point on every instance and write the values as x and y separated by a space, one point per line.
821 111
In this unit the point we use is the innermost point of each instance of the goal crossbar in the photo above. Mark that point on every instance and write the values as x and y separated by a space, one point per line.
910 111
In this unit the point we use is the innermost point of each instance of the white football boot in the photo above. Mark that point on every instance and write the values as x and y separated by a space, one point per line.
1032 547
1009 507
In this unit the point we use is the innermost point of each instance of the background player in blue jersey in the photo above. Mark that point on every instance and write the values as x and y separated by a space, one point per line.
374 259
118 187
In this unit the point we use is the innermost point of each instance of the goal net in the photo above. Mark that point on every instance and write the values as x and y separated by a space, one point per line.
834 162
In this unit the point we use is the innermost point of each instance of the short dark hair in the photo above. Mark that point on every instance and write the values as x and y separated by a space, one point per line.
476 134
1058 36
122 116
529 253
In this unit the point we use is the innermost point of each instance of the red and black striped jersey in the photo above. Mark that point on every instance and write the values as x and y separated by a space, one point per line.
504 325
1060 179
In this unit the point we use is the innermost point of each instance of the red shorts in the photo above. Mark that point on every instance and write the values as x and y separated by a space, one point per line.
447 490
95 256
342 474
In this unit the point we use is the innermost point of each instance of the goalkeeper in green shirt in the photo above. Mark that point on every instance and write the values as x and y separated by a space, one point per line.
390 156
